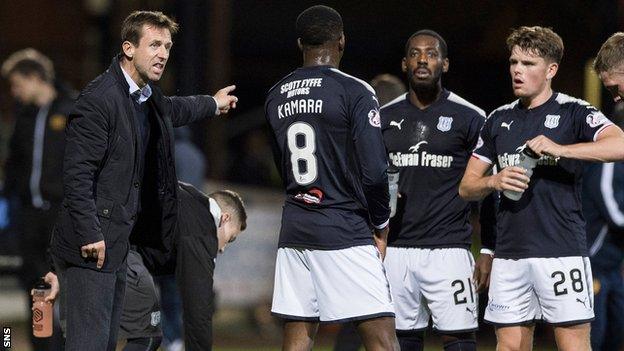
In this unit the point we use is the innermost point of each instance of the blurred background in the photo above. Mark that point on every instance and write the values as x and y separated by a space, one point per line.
253 44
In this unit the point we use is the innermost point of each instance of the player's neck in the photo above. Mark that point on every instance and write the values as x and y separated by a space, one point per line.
530 102
423 96
321 57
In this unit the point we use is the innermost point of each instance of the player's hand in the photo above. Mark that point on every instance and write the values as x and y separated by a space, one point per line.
225 101
481 276
95 250
381 240
510 178
51 279
541 145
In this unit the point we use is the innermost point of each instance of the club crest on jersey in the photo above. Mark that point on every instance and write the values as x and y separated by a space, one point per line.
552 121
444 123
374 119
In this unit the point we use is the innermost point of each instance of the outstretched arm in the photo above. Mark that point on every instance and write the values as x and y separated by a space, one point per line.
188 109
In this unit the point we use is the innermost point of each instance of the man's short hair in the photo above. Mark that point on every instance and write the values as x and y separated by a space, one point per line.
229 200
28 62
318 25
132 27
431 33
541 41
611 53
387 87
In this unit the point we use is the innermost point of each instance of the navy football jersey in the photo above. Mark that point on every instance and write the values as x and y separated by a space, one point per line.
431 148
547 221
329 150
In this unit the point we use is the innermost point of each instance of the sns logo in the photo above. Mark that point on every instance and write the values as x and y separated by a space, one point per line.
374 119
397 124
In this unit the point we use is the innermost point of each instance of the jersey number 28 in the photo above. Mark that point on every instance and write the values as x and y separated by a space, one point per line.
302 145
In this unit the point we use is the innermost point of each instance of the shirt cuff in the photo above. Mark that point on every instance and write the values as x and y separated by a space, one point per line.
485 251
482 158
217 112
383 225
601 129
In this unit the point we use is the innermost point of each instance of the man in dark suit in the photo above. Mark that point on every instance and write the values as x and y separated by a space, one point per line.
119 178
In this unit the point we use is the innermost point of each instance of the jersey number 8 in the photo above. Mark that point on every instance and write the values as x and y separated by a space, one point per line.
302 146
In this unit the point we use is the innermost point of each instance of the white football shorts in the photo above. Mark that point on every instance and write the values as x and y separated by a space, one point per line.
434 283
553 290
331 285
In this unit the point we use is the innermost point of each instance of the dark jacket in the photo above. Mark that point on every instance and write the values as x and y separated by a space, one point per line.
19 164
195 223
102 178
193 262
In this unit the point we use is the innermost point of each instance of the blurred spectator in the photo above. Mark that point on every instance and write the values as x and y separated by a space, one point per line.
387 88
190 161
603 207
34 164
255 166
190 168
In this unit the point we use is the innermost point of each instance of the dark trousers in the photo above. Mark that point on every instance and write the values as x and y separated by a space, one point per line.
606 329
171 306
194 275
34 227
91 306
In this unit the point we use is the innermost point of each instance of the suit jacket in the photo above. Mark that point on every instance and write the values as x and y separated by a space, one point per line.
102 179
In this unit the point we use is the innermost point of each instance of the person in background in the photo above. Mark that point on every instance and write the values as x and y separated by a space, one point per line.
191 169
207 224
34 164
387 87
603 207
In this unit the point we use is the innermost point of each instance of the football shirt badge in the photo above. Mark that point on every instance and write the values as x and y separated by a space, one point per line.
444 123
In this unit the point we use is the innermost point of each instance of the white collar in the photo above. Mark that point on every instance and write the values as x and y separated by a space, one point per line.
215 211
146 91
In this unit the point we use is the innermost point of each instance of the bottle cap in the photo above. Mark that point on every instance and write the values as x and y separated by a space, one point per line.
527 151
42 285
393 169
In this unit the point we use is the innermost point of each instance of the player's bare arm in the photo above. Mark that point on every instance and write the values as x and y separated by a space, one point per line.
608 147
483 268
477 184
381 240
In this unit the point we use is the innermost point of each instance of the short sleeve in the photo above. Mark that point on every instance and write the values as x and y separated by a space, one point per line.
474 129
589 122
485 150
